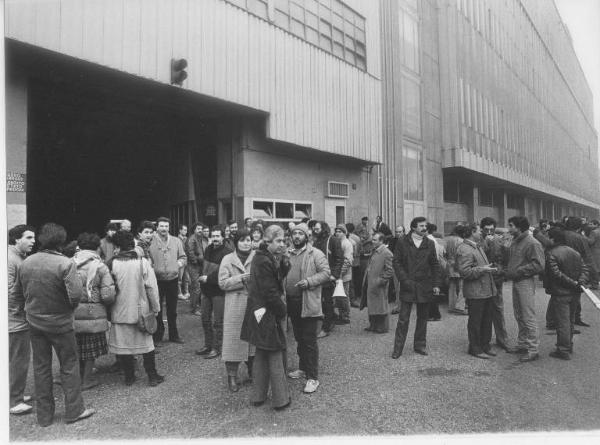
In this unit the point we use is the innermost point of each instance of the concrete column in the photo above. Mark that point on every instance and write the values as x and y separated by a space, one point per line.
16 145
504 210
474 214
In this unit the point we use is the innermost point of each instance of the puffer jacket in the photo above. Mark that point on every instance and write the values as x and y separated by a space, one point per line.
99 290
478 284
565 271
315 270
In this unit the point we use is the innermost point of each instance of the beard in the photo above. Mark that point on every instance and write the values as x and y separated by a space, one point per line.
299 244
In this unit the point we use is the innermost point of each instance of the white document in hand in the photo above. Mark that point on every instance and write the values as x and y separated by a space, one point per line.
259 314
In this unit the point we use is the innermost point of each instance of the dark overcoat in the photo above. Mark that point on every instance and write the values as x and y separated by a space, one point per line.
417 269
376 281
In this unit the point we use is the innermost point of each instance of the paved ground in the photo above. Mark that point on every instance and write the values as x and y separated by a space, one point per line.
363 391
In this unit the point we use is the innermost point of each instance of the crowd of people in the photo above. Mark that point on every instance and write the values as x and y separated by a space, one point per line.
93 296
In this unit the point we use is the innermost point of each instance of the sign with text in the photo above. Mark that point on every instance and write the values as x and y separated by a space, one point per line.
15 182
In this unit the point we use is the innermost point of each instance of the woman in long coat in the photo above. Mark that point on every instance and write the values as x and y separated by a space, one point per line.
262 325
234 273
90 315
136 284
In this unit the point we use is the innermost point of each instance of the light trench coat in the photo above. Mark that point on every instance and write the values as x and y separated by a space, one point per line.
236 299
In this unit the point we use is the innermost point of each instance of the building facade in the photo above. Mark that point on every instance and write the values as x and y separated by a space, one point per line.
329 109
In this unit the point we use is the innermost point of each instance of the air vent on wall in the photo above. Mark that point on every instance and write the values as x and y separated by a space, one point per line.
338 189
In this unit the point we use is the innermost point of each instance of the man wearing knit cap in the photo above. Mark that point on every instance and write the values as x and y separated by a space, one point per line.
309 269
343 303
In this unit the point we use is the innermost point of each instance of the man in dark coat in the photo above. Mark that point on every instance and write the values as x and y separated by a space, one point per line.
580 244
418 270
331 246
213 297
565 274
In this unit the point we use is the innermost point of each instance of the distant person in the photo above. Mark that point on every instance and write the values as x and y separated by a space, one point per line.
440 250
356 245
91 316
418 270
184 278
196 245
456 299
107 247
343 303
52 290
21 240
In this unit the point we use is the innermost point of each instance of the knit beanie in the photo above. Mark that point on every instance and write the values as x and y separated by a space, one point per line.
342 227
302 227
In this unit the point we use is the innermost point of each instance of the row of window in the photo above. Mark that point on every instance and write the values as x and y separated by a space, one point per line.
280 210
461 192
329 24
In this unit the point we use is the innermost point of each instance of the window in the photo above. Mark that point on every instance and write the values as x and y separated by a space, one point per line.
456 191
328 24
412 162
411 107
280 210
514 202
410 41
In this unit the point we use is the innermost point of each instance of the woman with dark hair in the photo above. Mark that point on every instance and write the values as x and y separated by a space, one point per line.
234 273
91 321
137 291
256 236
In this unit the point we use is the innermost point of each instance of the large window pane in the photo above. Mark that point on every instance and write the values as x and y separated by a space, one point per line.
412 158
411 107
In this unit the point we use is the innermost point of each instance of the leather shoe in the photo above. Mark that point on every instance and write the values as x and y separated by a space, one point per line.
529 357
396 355
232 384
204 351
421 351
212 354
576 331
323 334
490 353
503 346
177 340
582 323
561 355
481 355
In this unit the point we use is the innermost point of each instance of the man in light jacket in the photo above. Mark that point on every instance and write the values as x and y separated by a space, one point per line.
20 242
309 269
375 285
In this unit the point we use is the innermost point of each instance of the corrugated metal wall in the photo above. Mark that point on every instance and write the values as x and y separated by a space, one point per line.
313 98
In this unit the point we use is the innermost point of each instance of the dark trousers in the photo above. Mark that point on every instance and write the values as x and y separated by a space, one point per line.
434 309
564 307
379 323
194 271
479 326
498 316
578 309
213 309
232 367
305 333
65 346
19 355
550 314
269 370
168 294
127 363
328 306
420 340
356 284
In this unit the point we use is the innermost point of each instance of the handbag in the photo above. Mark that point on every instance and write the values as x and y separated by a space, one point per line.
146 321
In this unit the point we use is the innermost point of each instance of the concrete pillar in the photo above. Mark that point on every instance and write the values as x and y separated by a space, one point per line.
16 147
474 214
504 210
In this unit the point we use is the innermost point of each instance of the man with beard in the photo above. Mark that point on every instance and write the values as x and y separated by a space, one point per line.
168 257
213 297
419 273
107 247
332 248
308 271
195 248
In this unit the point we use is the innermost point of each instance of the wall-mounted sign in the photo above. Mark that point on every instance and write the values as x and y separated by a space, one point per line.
15 182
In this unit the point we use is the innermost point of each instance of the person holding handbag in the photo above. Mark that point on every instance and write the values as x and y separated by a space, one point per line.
90 315
133 315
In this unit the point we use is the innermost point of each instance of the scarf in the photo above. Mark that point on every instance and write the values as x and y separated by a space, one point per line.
123 256
243 256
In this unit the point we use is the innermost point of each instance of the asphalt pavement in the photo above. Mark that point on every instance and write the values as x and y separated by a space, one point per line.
363 390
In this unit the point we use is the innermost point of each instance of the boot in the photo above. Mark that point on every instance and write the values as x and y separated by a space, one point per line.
249 364
154 378
232 383
126 362
89 380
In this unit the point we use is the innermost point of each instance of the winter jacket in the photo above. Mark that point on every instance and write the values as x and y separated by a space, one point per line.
99 290
331 246
129 278
525 258
16 303
265 290
314 269
212 261
195 248
582 246
477 283
417 269
167 257
52 289
106 249
594 242
452 243
376 281
565 271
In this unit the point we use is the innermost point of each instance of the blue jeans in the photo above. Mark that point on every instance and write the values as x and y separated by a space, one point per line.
524 308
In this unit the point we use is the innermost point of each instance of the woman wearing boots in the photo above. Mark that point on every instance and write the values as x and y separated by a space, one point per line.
90 315
136 284
233 276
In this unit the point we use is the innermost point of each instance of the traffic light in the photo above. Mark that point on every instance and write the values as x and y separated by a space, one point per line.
178 73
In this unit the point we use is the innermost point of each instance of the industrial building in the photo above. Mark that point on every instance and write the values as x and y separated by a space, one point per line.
283 109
